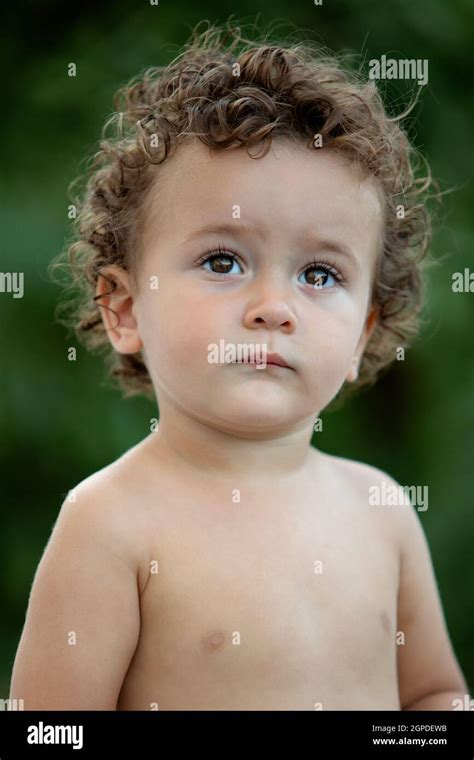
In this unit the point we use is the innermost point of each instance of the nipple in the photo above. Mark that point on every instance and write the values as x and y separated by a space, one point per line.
213 640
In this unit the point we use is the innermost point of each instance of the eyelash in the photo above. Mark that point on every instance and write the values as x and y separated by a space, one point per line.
226 252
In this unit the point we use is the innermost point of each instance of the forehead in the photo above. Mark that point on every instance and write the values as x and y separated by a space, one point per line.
293 190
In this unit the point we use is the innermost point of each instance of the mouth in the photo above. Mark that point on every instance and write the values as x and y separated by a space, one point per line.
272 360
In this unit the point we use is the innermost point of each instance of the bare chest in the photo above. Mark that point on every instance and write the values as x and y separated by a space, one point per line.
242 611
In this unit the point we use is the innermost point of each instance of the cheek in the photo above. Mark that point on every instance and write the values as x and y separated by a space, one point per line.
332 342
335 326
177 329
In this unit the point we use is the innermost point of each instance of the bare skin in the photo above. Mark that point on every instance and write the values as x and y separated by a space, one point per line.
181 598
223 563
266 604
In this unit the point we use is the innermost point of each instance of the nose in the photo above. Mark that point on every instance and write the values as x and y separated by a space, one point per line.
272 313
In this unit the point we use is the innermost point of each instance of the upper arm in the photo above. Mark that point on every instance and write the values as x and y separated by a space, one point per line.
426 661
83 619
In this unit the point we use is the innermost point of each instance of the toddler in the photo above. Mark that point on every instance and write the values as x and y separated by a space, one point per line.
248 247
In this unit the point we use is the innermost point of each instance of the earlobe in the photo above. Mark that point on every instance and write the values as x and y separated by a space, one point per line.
115 301
371 323
353 373
369 327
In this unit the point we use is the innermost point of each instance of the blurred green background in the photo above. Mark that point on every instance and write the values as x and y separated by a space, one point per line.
60 421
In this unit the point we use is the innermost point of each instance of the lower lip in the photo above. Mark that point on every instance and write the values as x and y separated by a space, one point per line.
264 366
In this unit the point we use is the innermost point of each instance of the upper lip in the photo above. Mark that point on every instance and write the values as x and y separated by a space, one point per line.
273 359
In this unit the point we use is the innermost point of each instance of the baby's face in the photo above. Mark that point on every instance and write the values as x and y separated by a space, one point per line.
293 219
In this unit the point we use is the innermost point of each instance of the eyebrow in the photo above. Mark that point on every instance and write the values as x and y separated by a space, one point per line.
309 240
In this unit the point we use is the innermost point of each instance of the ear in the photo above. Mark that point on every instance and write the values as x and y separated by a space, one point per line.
369 327
122 326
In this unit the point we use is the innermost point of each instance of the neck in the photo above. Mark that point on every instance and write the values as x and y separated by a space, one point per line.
219 454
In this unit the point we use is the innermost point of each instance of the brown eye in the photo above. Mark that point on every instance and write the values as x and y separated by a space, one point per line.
317 276
220 263
317 280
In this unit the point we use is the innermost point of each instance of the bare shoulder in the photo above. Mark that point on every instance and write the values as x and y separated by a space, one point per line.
360 474
107 503
85 592
376 490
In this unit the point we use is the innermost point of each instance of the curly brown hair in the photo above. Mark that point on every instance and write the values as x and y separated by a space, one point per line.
230 92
